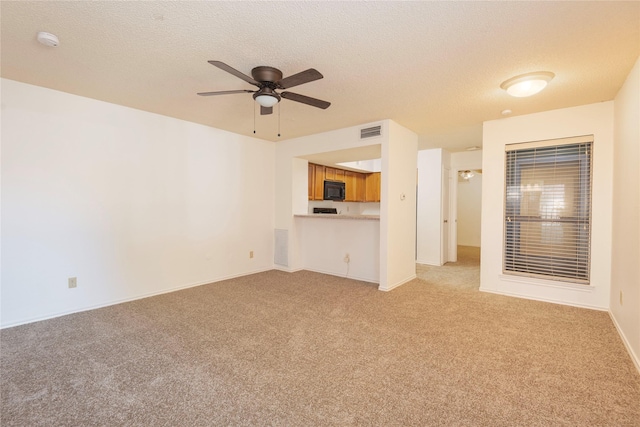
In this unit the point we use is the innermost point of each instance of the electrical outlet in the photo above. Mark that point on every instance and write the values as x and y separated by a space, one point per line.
620 297
73 282
250 254
347 259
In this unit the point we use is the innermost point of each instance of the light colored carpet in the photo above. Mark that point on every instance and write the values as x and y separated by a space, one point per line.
463 274
307 349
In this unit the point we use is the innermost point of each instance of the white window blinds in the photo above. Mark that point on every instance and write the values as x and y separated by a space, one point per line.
547 224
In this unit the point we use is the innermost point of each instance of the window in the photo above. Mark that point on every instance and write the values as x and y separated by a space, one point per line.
547 223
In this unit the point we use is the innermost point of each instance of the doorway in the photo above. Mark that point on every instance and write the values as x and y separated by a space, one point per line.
466 209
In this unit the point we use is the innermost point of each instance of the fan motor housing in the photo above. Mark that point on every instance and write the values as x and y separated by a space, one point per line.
266 74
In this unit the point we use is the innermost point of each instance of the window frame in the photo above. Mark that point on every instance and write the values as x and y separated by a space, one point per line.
514 262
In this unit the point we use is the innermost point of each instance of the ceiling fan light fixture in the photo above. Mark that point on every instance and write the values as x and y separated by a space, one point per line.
466 174
267 100
268 80
527 84
266 97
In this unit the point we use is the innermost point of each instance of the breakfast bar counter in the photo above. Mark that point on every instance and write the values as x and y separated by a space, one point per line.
339 216
342 245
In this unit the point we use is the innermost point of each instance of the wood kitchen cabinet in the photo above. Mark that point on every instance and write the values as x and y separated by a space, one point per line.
359 187
356 186
319 182
351 186
334 174
317 191
311 181
330 173
373 187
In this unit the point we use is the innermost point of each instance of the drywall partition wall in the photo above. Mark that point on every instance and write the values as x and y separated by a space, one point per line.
324 242
130 203
291 197
466 207
429 212
398 207
592 119
625 278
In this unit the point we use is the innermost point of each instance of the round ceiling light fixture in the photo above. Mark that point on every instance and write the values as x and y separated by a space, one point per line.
467 174
48 39
266 97
527 84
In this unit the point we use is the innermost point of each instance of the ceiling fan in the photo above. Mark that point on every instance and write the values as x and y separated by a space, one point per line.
268 80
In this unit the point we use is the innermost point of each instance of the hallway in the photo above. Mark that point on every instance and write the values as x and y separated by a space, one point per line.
463 274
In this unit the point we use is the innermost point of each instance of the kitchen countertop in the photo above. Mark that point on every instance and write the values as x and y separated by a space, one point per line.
338 216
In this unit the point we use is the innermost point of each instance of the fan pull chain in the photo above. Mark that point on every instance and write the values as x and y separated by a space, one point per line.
254 116
278 120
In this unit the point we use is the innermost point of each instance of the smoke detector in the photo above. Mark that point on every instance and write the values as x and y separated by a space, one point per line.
48 39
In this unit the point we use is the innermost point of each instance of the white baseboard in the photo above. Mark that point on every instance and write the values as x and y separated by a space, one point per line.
332 273
123 300
534 298
435 263
286 269
400 283
634 356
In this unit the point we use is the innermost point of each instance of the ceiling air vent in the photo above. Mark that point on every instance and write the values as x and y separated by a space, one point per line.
371 132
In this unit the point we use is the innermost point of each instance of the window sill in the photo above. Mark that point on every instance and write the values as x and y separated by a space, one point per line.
546 283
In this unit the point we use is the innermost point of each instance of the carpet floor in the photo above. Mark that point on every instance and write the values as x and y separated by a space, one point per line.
307 349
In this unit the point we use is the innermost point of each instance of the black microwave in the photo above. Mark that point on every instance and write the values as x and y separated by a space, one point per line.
334 190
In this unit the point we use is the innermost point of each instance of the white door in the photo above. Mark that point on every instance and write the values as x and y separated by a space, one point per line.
444 237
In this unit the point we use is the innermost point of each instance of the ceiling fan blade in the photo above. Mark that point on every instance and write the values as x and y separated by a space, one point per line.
225 92
297 79
265 110
305 100
235 72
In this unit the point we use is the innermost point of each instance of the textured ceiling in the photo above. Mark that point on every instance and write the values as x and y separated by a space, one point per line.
433 67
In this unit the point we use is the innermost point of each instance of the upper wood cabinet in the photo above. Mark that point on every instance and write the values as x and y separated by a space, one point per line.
317 191
373 187
318 183
351 186
330 173
361 187
310 182
334 174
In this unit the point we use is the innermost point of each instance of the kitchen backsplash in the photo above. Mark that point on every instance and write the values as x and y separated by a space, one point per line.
347 208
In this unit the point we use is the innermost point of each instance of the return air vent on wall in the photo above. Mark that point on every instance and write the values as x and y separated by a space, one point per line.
371 132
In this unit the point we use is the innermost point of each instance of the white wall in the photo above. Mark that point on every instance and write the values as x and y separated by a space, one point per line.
398 207
130 203
625 278
596 119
